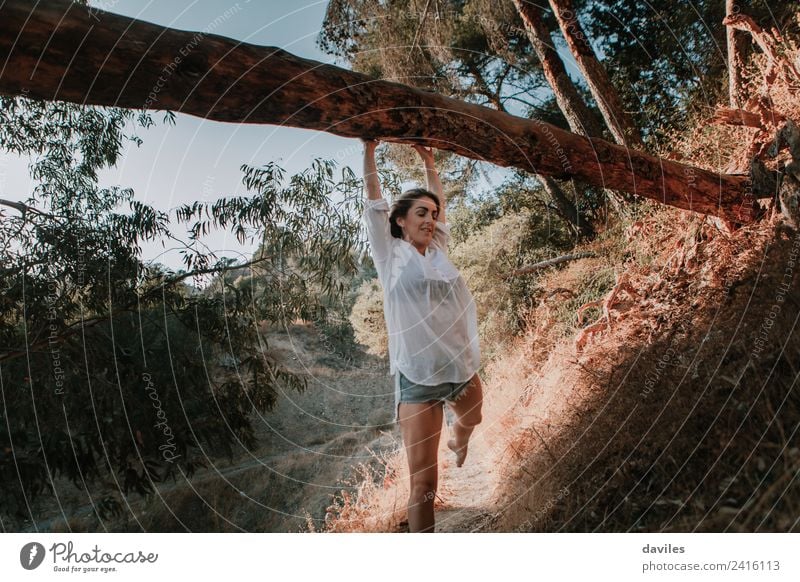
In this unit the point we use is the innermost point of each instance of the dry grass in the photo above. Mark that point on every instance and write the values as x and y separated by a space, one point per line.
378 502
634 435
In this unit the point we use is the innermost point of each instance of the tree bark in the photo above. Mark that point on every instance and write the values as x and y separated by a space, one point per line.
737 44
618 121
566 208
579 117
59 50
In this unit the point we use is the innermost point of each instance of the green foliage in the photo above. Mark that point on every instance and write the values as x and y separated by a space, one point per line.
475 50
336 324
669 59
591 286
486 258
521 193
116 370
470 214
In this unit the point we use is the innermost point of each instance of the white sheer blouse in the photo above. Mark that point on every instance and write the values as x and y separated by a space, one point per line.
430 314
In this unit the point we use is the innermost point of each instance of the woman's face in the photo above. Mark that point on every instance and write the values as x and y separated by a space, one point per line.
419 223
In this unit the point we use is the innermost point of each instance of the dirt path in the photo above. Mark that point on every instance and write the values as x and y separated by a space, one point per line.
472 496
466 492
313 440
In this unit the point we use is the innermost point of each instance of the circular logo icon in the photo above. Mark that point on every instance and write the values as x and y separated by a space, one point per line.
31 555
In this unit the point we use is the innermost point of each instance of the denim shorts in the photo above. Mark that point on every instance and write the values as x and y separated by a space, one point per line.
417 393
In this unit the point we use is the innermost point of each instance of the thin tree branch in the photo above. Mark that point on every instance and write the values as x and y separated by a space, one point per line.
548 263
24 208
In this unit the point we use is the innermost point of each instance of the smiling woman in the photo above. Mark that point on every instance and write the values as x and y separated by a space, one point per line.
432 324
413 217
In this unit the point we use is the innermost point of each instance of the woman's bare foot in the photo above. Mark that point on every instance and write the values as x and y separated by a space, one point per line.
461 452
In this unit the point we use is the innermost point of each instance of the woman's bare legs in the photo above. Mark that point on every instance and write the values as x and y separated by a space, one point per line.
467 409
421 426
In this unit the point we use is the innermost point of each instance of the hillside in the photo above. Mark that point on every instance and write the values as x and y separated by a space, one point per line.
680 417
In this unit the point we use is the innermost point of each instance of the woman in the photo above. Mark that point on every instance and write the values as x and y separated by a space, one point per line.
432 325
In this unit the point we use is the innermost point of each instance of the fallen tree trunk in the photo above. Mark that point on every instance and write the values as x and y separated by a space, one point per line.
58 50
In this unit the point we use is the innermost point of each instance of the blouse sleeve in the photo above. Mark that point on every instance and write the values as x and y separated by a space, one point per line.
441 236
376 218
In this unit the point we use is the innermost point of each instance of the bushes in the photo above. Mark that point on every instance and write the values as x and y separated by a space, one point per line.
369 325
486 260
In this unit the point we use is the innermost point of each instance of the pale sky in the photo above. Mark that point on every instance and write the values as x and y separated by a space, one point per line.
198 159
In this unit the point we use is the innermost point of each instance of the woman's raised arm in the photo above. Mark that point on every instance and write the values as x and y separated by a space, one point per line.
432 177
371 181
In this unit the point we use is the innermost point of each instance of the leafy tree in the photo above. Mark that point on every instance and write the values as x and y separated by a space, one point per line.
668 61
117 370
475 50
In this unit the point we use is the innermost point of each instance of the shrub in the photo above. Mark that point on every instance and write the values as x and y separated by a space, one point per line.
369 325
